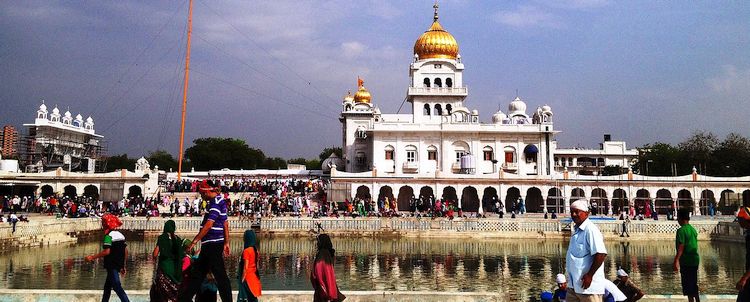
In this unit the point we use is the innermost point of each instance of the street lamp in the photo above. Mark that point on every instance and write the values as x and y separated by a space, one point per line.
648 162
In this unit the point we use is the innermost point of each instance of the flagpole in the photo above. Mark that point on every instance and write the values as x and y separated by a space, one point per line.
185 90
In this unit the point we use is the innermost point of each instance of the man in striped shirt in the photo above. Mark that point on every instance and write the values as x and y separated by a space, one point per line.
214 238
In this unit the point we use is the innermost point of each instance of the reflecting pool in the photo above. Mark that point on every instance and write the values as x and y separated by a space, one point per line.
519 268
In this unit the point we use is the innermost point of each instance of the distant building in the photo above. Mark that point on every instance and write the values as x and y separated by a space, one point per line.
9 141
56 140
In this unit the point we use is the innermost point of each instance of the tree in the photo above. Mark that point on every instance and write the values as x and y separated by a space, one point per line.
657 159
731 157
313 164
698 148
214 153
117 162
274 163
297 161
327 152
612 170
163 159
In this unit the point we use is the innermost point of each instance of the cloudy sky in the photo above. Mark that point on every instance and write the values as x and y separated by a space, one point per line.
273 72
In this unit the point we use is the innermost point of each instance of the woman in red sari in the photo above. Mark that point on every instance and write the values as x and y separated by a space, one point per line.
322 276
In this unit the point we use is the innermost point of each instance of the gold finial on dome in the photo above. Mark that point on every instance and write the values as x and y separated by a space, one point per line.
362 95
436 43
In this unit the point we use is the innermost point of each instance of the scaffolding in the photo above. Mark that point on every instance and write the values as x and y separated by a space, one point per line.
47 148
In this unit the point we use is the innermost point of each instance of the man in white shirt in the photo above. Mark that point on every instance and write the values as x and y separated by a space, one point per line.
586 253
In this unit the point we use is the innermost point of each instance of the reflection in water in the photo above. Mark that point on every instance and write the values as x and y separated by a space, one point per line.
518 268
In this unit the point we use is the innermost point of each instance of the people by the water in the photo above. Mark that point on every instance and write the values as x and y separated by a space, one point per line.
248 276
687 259
561 290
322 277
632 292
585 256
169 254
743 285
115 252
214 239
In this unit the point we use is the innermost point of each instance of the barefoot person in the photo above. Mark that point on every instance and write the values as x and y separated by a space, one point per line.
687 259
743 285
114 251
586 253
214 239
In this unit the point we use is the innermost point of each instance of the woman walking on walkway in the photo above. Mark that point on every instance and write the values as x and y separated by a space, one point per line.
114 251
322 276
249 279
169 254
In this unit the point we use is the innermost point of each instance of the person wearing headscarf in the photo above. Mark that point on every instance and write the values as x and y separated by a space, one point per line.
248 277
114 251
322 276
169 254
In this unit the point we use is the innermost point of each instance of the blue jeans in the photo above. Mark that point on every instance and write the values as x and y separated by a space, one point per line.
113 282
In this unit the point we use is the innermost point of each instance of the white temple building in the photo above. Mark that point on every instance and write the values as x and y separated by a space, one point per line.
444 149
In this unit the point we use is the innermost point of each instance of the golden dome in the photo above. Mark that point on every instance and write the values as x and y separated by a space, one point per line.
362 95
436 43
349 97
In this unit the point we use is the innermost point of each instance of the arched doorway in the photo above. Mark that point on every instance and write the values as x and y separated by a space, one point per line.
511 199
729 202
426 198
363 192
70 191
599 202
135 191
577 194
405 195
620 202
470 199
642 198
555 201
47 191
489 197
685 200
707 200
91 191
385 192
534 200
746 198
449 194
663 201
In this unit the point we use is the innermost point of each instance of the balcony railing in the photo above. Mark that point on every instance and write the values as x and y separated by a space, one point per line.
411 166
438 90
510 166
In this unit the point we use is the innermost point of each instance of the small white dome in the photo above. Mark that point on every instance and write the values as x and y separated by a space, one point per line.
67 114
498 117
55 111
517 107
546 108
43 107
79 117
475 112
89 120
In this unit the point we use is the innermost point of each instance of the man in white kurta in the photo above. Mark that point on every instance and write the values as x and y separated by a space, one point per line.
585 256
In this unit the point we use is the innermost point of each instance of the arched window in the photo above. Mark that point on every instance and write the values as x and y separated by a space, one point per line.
438 109
488 153
448 82
432 153
389 152
510 154
449 109
438 82
348 107
426 82
411 153
426 109
461 148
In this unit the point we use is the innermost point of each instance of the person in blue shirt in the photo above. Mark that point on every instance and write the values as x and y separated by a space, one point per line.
214 239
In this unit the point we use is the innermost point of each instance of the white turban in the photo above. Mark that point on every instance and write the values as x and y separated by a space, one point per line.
581 204
621 273
560 279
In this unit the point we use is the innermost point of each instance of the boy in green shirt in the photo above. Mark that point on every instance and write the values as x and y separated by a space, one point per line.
686 261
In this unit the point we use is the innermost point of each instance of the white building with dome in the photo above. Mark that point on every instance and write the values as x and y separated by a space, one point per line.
444 149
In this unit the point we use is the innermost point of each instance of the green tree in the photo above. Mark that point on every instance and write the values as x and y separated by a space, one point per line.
613 170
298 161
313 164
731 157
657 159
117 162
163 159
327 152
697 150
214 153
274 163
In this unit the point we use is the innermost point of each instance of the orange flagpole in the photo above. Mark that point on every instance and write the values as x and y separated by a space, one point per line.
185 90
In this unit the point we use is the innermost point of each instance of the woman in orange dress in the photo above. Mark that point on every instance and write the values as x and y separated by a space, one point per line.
248 276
